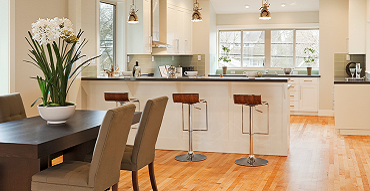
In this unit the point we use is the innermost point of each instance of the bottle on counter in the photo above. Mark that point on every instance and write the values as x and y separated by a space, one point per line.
136 71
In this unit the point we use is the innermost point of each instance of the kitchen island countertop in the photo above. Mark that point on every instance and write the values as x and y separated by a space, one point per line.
201 79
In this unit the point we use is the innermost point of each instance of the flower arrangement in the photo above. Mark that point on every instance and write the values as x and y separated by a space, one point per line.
310 58
55 48
226 59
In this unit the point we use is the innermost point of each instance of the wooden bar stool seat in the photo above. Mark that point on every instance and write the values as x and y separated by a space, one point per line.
120 98
190 99
252 101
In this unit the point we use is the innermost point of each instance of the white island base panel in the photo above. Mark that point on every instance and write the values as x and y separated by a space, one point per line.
351 109
225 123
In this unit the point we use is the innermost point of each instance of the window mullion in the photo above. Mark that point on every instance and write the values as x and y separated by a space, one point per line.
241 48
294 45
268 48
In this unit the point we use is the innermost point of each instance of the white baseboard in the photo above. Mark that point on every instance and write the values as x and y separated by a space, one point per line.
328 113
354 132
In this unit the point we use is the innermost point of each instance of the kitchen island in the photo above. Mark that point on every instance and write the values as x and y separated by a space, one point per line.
224 117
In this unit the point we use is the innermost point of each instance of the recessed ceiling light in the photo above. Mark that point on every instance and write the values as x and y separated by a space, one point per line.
283 5
247 6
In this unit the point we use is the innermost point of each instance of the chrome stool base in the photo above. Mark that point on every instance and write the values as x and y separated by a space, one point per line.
191 157
251 161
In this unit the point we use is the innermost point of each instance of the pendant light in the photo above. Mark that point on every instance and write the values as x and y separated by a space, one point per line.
265 13
196 16
132 17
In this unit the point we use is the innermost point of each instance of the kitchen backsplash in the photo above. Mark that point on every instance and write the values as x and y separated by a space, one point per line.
340 63
148 66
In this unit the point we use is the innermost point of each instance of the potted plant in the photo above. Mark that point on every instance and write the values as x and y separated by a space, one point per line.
309 59
225 59
54 50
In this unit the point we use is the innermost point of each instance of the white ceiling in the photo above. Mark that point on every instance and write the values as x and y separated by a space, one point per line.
238 6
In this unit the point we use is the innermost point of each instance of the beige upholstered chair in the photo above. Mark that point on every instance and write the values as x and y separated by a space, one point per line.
103 171
11 108
142 153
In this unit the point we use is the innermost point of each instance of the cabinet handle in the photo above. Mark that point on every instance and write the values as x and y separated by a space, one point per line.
307 80
291 95
291 105
178 45
186 45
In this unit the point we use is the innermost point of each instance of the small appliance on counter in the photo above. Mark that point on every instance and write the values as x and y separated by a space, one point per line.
179 71
184 69
171 72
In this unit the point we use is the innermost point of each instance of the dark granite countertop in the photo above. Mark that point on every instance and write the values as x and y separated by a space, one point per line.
272 75
342 80
197 79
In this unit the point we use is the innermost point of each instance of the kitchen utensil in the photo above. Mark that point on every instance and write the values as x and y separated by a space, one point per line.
184 69
171 72
287 70
191 73
251 74
352 70
348 66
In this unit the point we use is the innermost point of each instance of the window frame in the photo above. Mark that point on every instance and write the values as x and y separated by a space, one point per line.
114 31
267 46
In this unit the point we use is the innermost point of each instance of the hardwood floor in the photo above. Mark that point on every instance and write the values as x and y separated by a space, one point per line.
319 159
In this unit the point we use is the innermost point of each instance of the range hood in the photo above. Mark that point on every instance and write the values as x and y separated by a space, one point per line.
159 29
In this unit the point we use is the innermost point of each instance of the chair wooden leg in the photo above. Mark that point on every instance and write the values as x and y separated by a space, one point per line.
135 183
152 176
115 187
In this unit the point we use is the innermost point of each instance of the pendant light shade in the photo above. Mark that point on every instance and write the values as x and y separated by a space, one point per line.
196 16
265 13
132 17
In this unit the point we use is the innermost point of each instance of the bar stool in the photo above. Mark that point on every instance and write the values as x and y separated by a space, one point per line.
120 98
252 101
190 99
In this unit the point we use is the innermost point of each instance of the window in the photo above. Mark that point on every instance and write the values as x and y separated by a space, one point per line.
285 47
282 48
307 39
253 48
107 35
231 40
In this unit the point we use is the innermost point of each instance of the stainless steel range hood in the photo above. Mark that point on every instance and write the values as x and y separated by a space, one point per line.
159 24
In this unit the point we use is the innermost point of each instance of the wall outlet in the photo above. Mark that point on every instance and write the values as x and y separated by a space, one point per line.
128 58
199 57
173 58
93 61
152 58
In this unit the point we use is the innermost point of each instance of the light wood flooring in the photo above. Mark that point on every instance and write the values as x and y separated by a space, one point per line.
319 159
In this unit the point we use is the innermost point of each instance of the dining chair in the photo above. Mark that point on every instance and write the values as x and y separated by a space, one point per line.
11 108
104 170
142 153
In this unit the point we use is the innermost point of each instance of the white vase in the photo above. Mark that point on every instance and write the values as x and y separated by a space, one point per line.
56 115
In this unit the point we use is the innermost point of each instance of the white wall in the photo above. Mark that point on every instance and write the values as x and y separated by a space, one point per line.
248 19
27 12
204 34
5 47
333 37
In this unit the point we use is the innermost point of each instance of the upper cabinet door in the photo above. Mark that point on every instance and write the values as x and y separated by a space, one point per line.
357 27
179 27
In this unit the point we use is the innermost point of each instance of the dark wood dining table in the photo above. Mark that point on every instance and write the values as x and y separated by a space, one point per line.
25 145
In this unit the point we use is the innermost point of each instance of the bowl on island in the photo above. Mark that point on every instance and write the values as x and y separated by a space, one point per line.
250 74
287 70
127 74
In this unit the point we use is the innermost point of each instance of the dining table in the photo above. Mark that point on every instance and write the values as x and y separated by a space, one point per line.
26 144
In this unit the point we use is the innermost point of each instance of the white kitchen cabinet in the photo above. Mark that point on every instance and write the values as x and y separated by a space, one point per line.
303 95
357 27
139 35
179 28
